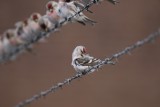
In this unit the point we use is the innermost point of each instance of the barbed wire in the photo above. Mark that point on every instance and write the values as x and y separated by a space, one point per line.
19 49
108 60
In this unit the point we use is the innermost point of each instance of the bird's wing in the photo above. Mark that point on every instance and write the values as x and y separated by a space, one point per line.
87 62
78 4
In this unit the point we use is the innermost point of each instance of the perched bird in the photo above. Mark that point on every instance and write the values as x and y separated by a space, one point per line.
38 25
81 61
46 23
52 14
29 28
23 30
7 43
33 23
65 10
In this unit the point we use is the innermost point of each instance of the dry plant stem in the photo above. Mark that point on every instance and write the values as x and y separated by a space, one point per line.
109 60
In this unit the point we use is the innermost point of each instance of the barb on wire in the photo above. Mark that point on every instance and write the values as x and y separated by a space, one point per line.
59 85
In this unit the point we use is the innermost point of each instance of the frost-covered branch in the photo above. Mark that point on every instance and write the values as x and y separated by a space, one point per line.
59 85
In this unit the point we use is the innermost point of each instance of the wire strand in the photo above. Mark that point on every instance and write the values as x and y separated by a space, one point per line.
59 85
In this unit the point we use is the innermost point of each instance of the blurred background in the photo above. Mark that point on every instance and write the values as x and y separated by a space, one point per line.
133 82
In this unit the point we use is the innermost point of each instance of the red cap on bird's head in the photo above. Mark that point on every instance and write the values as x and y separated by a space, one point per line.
84 50
49 6
35 17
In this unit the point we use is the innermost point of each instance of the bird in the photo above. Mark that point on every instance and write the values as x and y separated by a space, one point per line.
11 36
81 61
23 30
7 41
53 15
46 23
29 28
33 23
65 10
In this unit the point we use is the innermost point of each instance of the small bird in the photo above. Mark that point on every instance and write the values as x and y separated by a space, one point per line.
81 61
40 25
23 30
11 36
65 10
52 15
46 24
33 23
6 41
29 28
10 41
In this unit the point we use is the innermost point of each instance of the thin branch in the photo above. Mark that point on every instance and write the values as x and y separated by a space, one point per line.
59 85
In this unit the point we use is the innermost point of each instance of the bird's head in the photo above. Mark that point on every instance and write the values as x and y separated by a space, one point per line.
9 33
35 17
79 51
51 5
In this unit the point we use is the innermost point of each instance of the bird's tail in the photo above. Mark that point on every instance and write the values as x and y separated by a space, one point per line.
89 21
82 19
113 1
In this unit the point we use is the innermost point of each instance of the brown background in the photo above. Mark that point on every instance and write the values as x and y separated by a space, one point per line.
133 82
